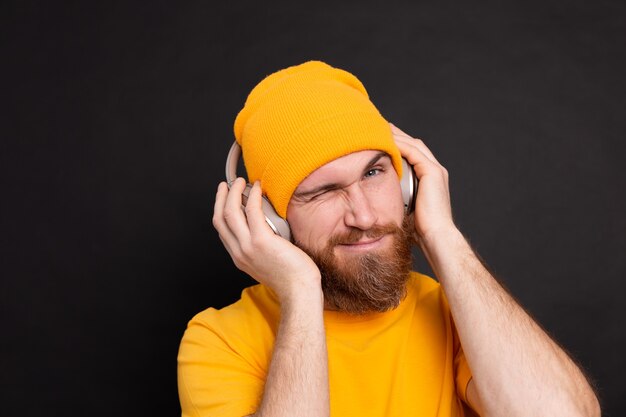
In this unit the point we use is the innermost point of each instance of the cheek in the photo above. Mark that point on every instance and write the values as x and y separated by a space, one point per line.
313 227
389 201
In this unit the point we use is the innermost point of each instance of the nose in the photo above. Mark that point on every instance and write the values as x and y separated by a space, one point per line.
359 213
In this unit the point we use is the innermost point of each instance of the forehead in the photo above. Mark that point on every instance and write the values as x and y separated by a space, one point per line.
342 169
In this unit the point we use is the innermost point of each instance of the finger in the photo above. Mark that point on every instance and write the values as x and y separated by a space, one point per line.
418 143
399 135
226 235
422 165
218 206
234 215
398 132
254 211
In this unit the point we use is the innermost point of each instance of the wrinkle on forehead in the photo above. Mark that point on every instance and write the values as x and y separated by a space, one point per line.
340 172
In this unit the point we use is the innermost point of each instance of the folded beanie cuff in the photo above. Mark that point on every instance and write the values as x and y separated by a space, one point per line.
333 137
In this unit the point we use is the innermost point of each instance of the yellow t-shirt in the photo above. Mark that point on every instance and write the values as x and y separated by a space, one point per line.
405 362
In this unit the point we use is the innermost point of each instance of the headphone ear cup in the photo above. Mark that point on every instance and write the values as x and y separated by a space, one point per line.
278 225
408 184
275 222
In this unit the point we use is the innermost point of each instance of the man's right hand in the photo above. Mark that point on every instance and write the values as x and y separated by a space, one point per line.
297 379
256 250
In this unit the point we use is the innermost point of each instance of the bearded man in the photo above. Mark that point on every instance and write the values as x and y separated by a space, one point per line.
339 324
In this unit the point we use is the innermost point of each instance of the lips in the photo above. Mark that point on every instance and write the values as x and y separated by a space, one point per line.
361 240
363 244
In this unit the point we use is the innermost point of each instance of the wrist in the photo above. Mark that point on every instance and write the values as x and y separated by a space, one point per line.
447 252
443 236
302 296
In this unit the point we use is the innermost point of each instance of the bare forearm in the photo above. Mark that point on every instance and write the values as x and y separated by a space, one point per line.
517 369
297 381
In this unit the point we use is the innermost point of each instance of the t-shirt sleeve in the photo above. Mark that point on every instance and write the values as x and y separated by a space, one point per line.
213 378
462 372
463 375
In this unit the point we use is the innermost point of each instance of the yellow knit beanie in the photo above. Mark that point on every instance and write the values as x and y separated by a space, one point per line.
302 117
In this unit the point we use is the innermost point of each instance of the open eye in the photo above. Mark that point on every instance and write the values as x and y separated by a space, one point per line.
372 172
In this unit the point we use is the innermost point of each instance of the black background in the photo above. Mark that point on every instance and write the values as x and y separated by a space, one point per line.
117 118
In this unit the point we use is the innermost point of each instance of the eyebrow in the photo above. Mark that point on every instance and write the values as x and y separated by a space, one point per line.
334 185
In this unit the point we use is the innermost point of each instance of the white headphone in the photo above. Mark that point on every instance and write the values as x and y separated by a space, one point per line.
408 184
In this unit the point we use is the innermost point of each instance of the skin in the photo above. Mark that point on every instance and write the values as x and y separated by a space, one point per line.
365 193
517 369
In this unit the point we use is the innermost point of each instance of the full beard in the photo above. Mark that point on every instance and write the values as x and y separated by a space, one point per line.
371 282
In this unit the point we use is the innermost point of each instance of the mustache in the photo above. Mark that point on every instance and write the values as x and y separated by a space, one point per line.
354 234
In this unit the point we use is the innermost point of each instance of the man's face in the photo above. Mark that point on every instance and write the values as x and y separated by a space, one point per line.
348 216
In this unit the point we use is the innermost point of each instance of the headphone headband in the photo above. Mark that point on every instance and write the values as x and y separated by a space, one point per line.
408 184
231 162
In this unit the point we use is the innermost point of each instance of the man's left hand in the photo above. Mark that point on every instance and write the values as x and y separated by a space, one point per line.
433 213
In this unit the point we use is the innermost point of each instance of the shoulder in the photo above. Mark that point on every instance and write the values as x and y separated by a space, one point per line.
256 311
422 286
224 355
427 296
